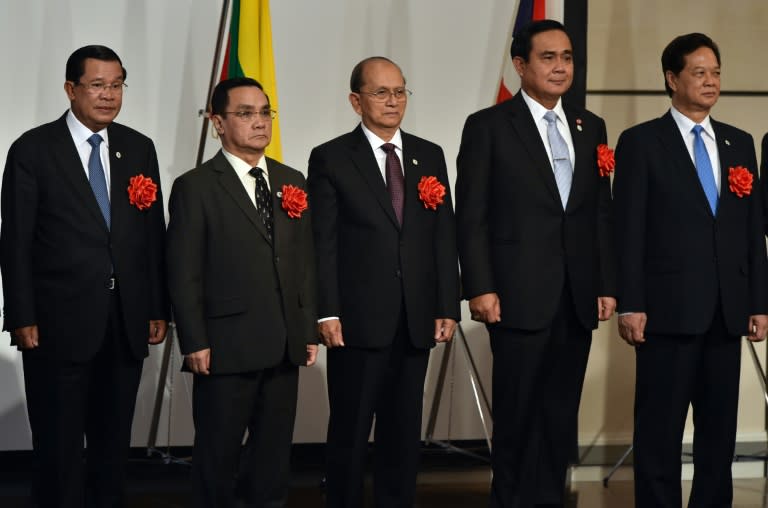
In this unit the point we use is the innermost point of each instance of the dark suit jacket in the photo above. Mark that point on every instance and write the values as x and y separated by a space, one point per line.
514 237
56 252
676 260
764 177
368 266
232 290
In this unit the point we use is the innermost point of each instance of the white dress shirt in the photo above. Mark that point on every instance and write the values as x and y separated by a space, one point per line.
381 155
538 111
80 134
242 170
686 125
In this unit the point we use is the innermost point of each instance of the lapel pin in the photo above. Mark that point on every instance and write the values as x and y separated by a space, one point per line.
415 162
578 124
727 142
118 155
279 194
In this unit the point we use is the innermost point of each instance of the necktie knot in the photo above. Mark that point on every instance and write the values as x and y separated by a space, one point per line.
697 130
95 140
256 172
388 147
550 117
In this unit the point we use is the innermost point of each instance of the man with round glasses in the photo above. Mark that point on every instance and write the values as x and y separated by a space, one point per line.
387 284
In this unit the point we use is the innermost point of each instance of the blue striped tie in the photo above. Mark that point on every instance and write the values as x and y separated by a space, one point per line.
561 157
97 179
704 168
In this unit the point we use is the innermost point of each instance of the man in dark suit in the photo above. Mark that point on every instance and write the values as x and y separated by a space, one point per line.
387 273
241 276
534 229
82 258
691 277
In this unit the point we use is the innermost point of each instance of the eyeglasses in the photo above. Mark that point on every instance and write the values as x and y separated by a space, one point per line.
383 94
249 115
98 87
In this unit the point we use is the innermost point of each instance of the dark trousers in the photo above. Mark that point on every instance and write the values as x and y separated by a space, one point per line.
226 474
67 401
674 371
387 383
537 381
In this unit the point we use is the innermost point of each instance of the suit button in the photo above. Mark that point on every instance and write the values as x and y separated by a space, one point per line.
398 274
277 259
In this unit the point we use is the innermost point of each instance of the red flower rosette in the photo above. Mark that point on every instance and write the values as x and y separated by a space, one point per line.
294 201
431 192
605 161
142 191
740 181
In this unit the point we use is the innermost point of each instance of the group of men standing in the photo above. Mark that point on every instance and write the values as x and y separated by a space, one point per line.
363 256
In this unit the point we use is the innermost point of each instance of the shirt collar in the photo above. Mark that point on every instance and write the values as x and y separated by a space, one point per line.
376 141
538 111
80 133
241 167
685 124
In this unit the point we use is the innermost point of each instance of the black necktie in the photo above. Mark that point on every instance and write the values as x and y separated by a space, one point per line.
395 184
263 199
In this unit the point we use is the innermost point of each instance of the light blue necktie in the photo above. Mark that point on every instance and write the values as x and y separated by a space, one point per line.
561 157
704 168
97 178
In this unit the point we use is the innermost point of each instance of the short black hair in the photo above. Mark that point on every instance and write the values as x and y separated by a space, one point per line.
220 97
356 79
76 61
522 39
673 56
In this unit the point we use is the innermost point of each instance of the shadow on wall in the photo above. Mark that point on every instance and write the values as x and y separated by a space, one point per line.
13 418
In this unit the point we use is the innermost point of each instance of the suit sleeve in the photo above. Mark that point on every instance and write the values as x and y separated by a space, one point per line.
445 252
764 178
186 248
159 307
19 216
324 200
309 282
757 251
606 242
473 166
630 200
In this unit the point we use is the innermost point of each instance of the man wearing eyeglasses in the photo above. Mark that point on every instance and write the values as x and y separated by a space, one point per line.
83 263
388 284
241 277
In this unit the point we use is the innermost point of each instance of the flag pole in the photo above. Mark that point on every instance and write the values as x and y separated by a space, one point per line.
212 82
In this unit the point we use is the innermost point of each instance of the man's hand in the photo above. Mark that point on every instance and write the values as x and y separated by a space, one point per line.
444 328
26 337
485 308
157 331
758 327
605 307
632 327
330 333
311 354
199 362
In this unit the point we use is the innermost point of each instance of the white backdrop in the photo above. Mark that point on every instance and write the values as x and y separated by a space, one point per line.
451 55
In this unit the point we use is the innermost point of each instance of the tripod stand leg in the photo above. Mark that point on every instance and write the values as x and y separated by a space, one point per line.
617 465
759 369
168 348
437 395
477 386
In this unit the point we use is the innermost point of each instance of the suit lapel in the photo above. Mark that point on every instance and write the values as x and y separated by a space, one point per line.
68 160
583 160
525 126
729 156
671 139
232 185
365 162
276 182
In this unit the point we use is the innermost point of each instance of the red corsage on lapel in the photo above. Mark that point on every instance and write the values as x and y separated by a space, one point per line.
294 201
605 161
740 181
142 191
431 192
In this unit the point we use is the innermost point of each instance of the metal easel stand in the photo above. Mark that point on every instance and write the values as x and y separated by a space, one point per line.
763 383
166 365
479 395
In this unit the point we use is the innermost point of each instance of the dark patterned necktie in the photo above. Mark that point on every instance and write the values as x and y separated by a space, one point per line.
395 184
263 199
97 179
